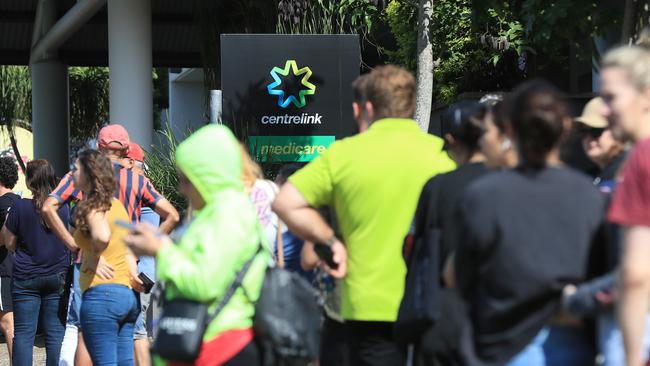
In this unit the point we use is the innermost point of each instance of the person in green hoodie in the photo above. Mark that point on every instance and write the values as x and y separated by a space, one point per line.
222 235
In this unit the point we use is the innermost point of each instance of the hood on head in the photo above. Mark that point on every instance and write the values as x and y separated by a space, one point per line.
211 159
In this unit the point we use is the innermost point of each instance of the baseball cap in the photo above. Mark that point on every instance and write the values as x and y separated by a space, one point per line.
591 115
135 152
113 137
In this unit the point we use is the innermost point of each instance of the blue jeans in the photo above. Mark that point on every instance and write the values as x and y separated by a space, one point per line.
556 345
610 340
146 265
108 314
41 295
74 306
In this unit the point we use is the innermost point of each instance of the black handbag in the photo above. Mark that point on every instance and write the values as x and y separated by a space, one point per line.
420 306
287 319
183 323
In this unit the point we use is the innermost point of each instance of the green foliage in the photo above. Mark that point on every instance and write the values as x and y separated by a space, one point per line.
464 63
161 168
326 16
402 17
494 44
15 95
88 101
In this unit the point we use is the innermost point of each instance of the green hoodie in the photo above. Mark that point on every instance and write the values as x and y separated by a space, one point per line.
222 236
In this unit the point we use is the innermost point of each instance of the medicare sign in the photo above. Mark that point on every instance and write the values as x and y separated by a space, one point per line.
290 94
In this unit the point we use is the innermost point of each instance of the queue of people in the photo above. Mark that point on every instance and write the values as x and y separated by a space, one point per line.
531 258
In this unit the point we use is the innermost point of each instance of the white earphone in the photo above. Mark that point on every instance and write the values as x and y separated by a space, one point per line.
506 144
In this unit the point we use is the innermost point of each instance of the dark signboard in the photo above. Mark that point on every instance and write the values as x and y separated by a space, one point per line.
289 94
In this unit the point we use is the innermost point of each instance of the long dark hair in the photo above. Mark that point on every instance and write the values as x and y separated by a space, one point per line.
537 113
100 177
41 180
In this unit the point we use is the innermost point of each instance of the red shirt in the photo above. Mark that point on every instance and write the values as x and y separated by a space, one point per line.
631 201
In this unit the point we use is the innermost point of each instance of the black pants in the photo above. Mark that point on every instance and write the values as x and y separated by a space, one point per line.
249 356
373 344
333 345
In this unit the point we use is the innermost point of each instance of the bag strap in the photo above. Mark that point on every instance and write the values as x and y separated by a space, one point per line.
233 286
280 244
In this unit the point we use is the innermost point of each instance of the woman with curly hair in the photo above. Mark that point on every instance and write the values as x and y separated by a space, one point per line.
109 308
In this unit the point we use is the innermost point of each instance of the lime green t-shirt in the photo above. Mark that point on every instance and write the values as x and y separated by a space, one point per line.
374 180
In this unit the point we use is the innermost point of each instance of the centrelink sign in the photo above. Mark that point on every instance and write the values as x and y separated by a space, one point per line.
290 95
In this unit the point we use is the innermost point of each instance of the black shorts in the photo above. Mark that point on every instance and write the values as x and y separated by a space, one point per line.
5 295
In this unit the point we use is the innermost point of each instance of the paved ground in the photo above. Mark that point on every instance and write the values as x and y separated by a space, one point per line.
39 353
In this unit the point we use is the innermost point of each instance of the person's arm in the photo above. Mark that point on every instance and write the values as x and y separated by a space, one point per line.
54 222
169 216
62 194
9 240
634 287
136 282
308 258
306 223
100 231
629 209
206 261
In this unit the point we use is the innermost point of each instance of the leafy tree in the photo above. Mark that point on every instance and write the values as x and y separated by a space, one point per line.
89 98
15 103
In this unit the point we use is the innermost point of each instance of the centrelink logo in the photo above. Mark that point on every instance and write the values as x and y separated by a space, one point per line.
284 101
309 88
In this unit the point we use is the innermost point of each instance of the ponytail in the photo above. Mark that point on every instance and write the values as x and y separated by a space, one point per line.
538 114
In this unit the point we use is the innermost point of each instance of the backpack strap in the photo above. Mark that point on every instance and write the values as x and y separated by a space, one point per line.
280 243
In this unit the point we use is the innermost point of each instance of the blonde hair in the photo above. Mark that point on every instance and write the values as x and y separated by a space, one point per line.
251 171
391 90
635 60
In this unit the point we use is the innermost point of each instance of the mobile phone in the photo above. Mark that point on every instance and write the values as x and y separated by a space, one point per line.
125 224
325 253
146 282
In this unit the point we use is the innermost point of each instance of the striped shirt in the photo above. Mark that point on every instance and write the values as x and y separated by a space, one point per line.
134 190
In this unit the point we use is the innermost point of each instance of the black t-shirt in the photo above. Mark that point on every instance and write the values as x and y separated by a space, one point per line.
6 258
525 235
439 203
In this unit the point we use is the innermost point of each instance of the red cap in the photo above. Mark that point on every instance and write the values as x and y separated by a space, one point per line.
113 137
135 152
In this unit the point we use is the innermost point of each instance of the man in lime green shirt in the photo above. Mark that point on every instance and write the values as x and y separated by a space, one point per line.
373 180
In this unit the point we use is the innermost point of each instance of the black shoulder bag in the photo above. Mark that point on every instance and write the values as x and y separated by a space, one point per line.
183 322
419 309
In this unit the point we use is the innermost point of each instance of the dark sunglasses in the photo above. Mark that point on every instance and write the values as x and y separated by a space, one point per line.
594 133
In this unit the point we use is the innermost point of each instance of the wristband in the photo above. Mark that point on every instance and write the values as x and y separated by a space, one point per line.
329 242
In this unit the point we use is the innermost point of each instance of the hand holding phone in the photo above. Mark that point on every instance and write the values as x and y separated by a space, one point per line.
325 253
146 282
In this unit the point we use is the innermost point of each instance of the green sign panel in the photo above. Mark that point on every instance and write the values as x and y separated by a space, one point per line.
288 148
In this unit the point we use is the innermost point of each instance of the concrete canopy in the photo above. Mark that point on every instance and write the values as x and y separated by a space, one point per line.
175 35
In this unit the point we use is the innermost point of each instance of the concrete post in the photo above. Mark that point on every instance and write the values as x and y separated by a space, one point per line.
50 100
130 68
